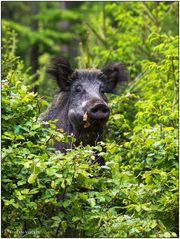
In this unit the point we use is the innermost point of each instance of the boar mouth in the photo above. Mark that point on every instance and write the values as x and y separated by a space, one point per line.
87 121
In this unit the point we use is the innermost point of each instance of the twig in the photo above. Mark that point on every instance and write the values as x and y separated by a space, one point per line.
87 50
174 85
97 35
104 20
57 230
148 10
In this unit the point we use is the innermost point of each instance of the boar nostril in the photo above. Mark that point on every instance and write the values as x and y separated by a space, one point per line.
94 110
105 110
98 112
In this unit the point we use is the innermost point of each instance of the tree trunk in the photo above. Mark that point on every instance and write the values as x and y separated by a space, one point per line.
70 48
34 49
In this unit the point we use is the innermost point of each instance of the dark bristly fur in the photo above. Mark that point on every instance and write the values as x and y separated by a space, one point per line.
60 69
91 80
116 74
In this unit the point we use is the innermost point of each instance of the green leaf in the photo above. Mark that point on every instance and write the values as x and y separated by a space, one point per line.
32 178
92 202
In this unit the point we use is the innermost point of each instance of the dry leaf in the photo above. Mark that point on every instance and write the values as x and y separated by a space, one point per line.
85 117
86 125
85 120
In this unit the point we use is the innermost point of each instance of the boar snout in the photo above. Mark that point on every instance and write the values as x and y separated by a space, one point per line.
98 112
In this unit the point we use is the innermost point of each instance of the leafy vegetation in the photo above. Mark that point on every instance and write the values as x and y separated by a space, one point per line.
46 193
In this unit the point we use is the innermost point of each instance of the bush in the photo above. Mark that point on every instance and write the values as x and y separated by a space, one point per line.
46 193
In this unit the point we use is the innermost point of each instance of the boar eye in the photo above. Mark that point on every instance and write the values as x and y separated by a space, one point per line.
102 91
78 89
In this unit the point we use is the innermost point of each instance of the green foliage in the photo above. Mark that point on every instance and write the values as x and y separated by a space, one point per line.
48 33
43 30
46 193
130 24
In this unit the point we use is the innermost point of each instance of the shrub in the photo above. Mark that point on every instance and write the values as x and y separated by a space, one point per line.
46 193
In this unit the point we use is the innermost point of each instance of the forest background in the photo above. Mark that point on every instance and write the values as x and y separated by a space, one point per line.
136 193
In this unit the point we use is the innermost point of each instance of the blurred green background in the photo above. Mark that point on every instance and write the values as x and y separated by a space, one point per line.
88 34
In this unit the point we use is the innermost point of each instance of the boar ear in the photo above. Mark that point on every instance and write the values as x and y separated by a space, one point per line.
61 70
115 74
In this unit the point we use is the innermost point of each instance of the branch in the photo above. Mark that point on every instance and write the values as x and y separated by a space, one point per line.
104 20
174 85
96 34
148 10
